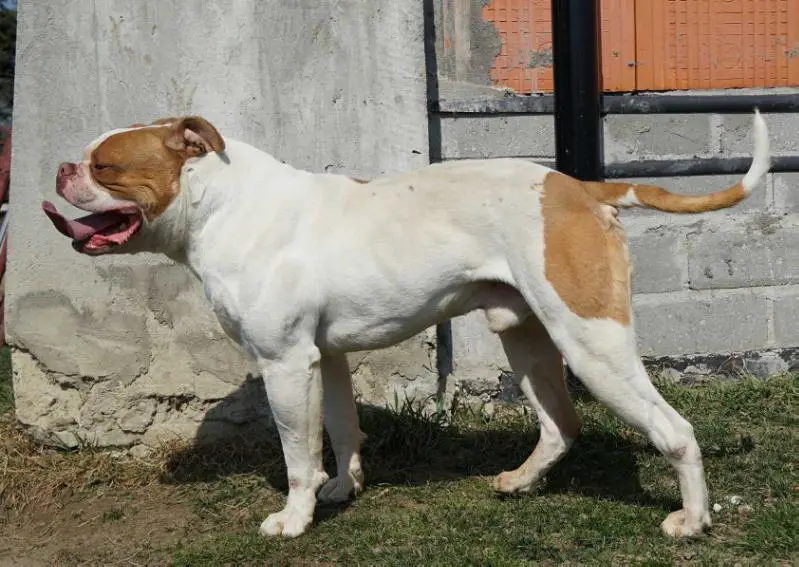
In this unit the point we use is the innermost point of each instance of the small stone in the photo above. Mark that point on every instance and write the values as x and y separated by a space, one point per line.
671 375
489 409
140 451
735 500
717 507
139 417
745 509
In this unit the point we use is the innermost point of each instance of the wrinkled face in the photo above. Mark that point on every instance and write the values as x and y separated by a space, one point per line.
127 179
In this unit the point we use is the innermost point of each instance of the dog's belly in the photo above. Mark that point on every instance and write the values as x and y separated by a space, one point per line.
354 327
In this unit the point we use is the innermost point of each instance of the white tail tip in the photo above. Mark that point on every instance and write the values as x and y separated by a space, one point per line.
761 161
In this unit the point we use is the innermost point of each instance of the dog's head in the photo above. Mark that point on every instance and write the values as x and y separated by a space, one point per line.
127 179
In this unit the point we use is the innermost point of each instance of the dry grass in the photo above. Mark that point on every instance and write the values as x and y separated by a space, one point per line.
35 477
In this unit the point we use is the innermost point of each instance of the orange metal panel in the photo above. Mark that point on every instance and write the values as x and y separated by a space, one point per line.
618 45
792 49
525 27
713 44
524 63
658 44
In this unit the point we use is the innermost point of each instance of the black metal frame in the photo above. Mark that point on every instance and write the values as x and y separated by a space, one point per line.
578 92
624 104
578 112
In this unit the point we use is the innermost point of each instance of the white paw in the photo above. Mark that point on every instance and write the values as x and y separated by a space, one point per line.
677 524
509 482
340 489
286 523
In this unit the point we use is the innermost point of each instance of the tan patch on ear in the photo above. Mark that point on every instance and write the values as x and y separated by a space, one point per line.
194 136
585 253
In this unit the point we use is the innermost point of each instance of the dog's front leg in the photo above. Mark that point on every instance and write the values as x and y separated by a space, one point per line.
341 421
294 388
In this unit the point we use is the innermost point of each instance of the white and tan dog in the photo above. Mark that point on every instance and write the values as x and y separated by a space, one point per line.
303 268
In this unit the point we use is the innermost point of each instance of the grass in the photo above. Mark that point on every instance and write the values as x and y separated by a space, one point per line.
6 388
428 498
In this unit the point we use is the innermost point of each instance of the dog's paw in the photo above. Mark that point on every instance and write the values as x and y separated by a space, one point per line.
286 523
510 482
676 524
340 489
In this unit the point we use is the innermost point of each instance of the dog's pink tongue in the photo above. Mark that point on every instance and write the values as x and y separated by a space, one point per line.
82 228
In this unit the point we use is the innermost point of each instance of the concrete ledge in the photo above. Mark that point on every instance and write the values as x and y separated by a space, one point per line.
702 367
501 387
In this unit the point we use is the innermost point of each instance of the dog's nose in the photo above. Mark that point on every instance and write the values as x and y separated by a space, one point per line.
67 168
65 171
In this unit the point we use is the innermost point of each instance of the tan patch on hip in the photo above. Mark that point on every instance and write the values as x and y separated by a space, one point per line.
585 252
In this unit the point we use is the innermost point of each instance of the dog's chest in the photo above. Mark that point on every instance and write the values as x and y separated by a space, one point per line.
222 296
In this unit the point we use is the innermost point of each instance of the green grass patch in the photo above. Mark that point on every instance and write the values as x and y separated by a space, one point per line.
429 499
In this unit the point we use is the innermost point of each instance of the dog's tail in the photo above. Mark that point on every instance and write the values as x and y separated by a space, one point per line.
651 197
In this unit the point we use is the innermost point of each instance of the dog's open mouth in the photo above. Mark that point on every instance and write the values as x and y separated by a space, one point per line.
98 232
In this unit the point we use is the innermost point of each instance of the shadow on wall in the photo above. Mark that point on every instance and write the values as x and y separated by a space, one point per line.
406 447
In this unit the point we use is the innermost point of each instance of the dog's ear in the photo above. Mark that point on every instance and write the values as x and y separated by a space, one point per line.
194 136
159 122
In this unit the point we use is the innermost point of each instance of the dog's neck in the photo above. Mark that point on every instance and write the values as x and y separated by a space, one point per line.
211 188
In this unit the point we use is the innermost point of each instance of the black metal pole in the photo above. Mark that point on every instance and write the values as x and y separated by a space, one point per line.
578 93
695 166
443 330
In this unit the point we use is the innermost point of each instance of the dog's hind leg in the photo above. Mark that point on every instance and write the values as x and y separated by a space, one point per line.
538 367
341 422
575 275
603 355
294 388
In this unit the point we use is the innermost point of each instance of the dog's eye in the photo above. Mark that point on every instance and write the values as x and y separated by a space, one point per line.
101 166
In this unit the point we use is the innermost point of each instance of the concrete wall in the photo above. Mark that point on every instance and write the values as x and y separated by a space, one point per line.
118 351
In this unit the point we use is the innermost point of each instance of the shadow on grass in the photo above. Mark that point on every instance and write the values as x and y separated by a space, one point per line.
406 447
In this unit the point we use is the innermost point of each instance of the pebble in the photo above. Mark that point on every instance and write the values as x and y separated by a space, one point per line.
717 507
